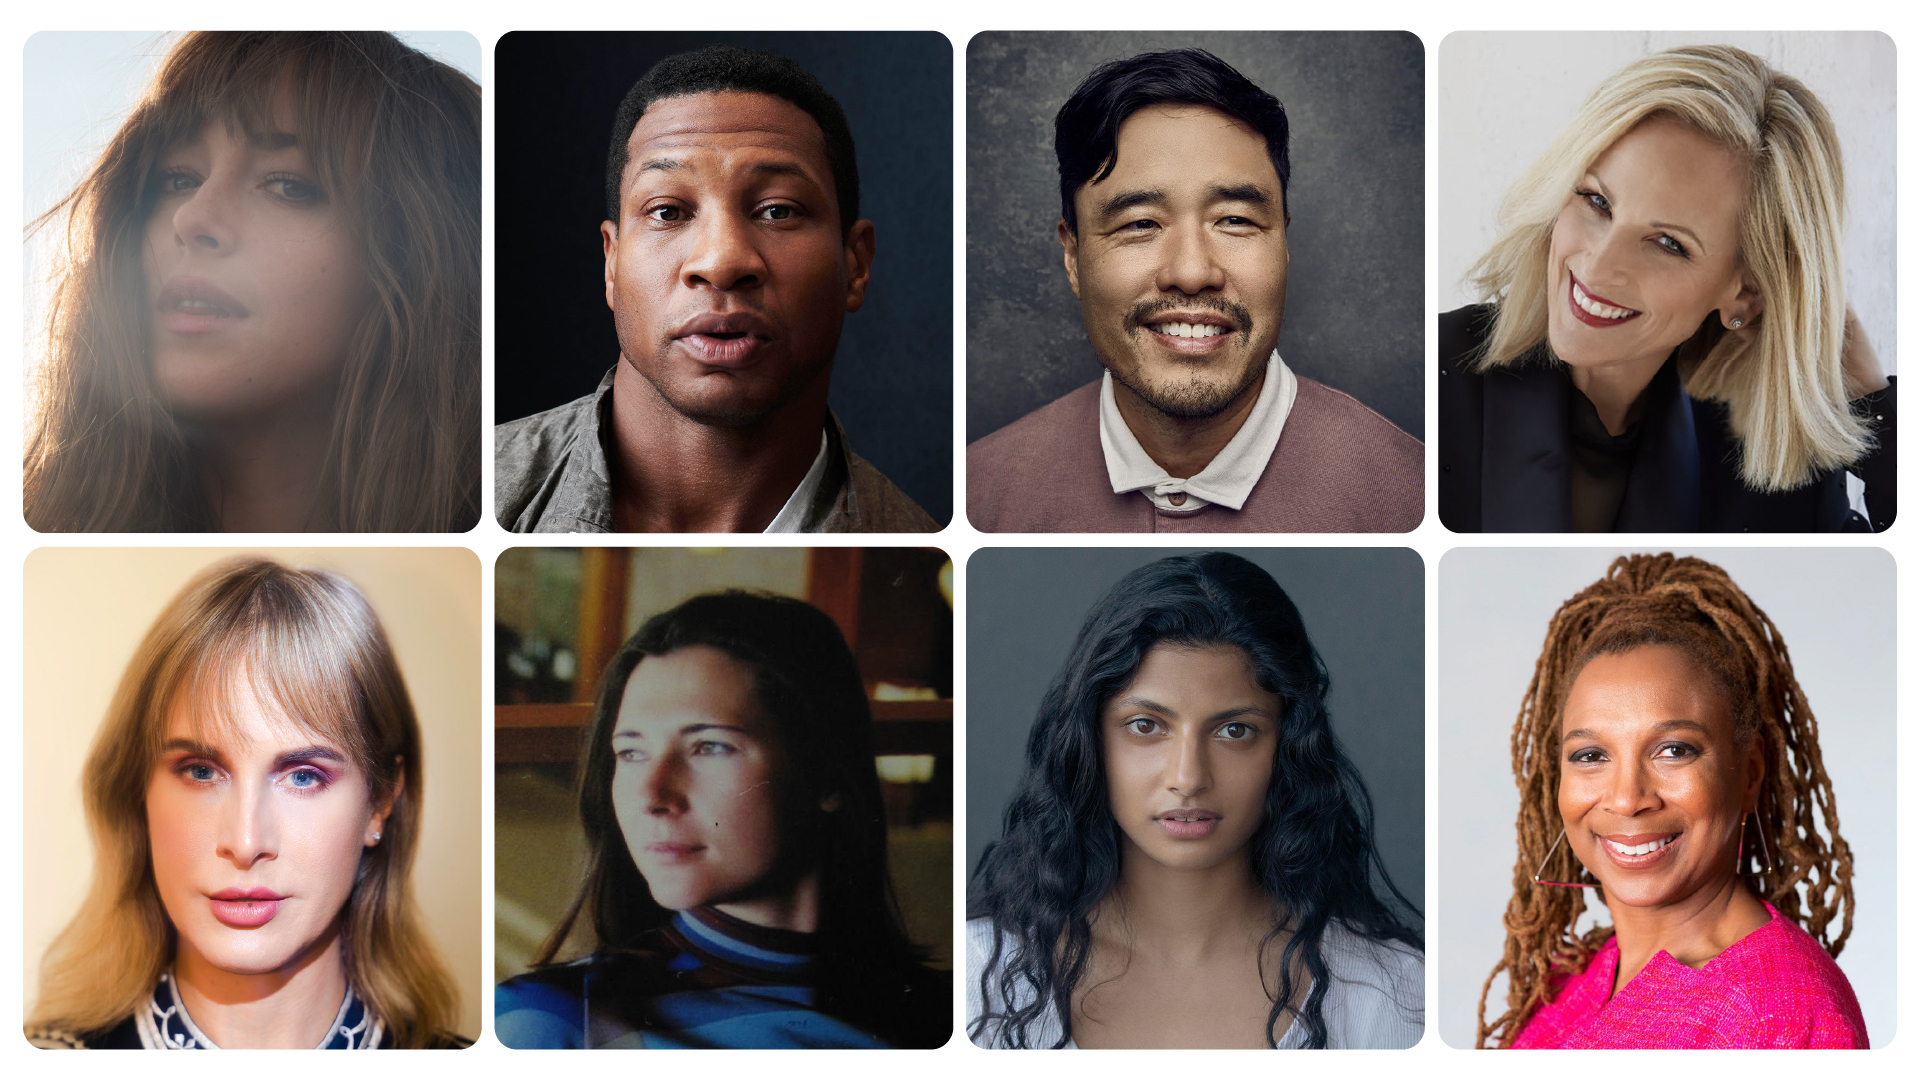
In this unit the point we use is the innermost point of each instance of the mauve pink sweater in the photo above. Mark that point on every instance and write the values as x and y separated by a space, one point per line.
1776 988
1339 467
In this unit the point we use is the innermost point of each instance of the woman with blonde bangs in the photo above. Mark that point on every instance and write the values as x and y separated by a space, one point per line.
254 797
1667 343
265 313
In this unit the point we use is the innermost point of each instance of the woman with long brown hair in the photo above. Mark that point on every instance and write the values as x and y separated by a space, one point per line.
1669 762
265 315
254 798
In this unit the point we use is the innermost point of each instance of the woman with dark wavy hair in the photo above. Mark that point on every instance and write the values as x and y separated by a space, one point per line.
1189 860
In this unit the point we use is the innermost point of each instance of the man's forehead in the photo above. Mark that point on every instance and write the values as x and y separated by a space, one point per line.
728 119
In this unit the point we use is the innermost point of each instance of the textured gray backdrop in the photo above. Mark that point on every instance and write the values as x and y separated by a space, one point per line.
1364 609
1356 109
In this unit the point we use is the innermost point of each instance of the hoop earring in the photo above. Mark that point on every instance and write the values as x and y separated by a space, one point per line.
1543 867
1740 856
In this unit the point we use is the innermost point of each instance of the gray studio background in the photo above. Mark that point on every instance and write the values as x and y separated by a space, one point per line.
1834 608
1364 608
1355 107
1505 96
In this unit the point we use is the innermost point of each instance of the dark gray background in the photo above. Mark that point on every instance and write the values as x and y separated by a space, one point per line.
1356 108
1364 609
554 339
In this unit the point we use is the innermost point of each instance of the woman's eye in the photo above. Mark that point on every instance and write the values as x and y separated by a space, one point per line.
1597 201
293 189
168 183
1237 731
1583 757
711 748
1675 751
201 772
1142 726
306 779
629 755
1669 244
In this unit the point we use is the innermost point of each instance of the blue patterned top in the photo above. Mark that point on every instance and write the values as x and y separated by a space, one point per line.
705 980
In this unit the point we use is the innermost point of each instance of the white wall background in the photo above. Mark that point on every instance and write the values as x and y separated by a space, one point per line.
1505 96
1834 608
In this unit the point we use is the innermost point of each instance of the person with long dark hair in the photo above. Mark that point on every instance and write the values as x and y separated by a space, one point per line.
736 885
1189 860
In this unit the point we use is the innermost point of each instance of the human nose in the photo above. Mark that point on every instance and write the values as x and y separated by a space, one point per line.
1630 791
724 255
1191 770
1189 264
204 221
664 786
1607 254
249 827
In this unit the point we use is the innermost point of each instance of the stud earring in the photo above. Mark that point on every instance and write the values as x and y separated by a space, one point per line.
1736 324
376 836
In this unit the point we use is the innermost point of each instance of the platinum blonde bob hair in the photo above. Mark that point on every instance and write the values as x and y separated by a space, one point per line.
308 642
1781 379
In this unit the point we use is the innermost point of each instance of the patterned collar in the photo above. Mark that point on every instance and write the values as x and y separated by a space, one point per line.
724 941
164 1024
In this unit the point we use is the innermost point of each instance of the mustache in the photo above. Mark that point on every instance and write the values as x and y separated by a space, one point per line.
1147 312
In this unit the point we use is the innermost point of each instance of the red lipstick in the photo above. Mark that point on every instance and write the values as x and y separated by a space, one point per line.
244 909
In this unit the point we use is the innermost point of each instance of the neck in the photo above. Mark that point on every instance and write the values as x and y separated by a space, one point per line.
1692 931
288 1008
798 911
1615 389
676 474
1184 915
1181 445
264 475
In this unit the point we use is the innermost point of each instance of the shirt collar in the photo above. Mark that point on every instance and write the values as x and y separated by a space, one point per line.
1229 478
792 517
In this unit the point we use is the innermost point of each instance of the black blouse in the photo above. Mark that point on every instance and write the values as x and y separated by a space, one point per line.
1508 452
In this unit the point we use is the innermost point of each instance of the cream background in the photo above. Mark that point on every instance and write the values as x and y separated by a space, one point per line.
85 611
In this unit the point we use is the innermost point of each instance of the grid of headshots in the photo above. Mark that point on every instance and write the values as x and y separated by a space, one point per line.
579 330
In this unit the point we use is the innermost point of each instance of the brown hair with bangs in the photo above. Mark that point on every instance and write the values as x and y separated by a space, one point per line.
309 643
394 135
1691 605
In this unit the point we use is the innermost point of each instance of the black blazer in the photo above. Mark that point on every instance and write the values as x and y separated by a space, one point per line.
1505 452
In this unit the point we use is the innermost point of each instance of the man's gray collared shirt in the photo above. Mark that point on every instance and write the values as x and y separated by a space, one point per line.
551 475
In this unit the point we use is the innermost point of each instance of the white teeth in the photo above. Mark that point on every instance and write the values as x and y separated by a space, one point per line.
1594 307
200 307
1641 849
1190 330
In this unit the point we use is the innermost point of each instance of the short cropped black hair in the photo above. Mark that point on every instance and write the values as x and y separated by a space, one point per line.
717 68
1086 131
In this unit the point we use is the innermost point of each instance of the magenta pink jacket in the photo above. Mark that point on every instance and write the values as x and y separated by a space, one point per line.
1776 988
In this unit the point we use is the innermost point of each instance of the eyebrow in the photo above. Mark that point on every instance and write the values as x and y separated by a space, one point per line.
188 746
1127 200
1224 714
690 729
1662 726
1246 193
311 753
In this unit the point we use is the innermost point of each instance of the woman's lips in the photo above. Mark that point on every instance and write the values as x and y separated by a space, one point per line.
244 909
195 306
1593 310
1637 851
1189 824
671 853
